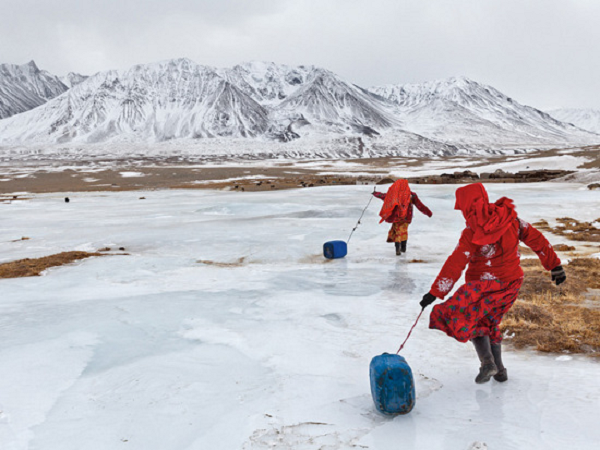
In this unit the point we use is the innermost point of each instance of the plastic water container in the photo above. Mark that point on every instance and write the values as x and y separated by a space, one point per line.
392 384
335 249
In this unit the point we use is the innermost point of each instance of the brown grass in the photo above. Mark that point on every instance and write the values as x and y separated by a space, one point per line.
557 319
572 229
24 238
32 267
563 248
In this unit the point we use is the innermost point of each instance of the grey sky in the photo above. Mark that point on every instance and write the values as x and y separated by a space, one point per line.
544 53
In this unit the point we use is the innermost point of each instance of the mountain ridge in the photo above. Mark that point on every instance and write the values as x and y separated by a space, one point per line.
179 99
24 87
584 118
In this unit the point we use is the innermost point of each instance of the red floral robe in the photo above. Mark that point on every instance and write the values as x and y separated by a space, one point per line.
493 279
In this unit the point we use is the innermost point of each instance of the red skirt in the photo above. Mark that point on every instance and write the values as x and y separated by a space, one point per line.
475 309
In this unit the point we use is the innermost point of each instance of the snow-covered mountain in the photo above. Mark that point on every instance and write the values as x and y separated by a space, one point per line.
311 106
73 79
327 100
587 119
152 102
465 112
25 87
308 100
266 82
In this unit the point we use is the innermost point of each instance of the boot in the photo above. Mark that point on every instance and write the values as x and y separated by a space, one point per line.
488 367
403 246
502 374
398 249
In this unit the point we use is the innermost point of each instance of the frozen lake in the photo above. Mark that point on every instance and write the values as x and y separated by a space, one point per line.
225 328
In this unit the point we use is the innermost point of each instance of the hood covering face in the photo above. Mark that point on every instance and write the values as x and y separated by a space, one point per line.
398 196
489 221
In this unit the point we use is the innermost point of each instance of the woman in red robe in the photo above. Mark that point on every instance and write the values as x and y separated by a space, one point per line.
397 209
489 246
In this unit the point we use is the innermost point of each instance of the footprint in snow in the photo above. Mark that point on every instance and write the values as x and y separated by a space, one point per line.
426 386
335 320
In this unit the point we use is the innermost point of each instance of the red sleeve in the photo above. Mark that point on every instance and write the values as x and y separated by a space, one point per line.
379 195
454 265
536 241
420 206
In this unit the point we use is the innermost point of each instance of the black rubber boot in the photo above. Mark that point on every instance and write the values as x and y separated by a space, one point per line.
398 250
403 246
502 374
488 367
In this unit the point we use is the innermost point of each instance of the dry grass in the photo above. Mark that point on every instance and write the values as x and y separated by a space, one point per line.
24 238
563 248
557 319
572 229
31 267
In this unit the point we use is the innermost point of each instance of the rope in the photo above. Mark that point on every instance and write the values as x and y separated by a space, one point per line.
361 216
416 321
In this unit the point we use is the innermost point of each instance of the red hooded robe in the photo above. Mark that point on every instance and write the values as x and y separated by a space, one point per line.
489 244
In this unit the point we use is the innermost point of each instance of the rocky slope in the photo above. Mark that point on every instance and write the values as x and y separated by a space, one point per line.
26 87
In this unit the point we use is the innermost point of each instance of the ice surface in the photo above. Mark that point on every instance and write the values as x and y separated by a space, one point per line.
225 328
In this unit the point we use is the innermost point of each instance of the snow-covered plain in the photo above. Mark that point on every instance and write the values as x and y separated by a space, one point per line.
263 344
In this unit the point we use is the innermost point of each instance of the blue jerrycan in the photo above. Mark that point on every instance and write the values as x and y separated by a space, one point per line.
392 384
335 249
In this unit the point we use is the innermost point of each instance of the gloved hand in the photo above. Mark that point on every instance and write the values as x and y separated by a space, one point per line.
428 299
558 275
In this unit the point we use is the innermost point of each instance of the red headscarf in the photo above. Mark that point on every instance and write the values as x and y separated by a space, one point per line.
398 195
489 221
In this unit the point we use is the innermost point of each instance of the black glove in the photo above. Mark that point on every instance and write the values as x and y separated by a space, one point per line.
428 299
558 275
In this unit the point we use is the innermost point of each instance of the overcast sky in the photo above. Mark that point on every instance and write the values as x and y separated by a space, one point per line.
543 53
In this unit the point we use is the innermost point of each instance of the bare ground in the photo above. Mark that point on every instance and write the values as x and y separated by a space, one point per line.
149 174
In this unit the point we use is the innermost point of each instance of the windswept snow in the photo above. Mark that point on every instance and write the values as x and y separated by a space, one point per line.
225 328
